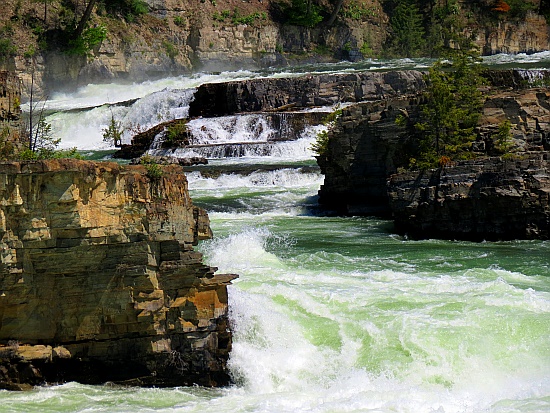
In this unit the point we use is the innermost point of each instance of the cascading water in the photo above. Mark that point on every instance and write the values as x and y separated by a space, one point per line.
335 314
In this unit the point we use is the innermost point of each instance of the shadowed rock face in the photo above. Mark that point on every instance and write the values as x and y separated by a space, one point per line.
219 99
99 280
502 200
491 200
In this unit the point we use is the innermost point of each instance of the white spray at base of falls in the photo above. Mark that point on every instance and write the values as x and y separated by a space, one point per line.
311 336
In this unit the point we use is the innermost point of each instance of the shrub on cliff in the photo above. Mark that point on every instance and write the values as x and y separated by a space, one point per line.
302 12
113 132
128 9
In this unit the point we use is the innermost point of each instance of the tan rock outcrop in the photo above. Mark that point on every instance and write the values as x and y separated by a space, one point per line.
10 113
98 266
512 36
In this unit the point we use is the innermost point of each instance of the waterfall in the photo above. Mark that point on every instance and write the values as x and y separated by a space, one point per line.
84 128
230 129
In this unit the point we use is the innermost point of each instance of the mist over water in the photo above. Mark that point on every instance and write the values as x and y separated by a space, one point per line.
335 314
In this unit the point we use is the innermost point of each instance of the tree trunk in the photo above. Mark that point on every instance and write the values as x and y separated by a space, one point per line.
84 20
335 12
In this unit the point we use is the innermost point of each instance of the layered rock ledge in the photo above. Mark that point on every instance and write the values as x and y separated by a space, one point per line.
99 280
228 98
493 199
486 199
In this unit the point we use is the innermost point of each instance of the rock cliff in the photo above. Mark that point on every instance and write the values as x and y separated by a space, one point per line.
99 280
10 114
366 146
492 199
227 98
178 36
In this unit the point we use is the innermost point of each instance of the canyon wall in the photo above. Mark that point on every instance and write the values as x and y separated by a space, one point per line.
178 36
99 280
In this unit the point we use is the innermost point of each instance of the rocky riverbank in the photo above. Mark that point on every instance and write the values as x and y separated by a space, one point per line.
99 280
492 199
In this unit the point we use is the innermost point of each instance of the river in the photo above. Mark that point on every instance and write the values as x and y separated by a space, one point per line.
334 314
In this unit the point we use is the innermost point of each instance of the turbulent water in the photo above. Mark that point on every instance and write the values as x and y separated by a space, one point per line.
336 314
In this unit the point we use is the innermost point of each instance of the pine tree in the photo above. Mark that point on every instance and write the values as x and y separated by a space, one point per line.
451 112
408 33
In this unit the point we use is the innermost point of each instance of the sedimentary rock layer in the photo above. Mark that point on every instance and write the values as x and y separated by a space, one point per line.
493 199
218 99
366 146
99 280
10 113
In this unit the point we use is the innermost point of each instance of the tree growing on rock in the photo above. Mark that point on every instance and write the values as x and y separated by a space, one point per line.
452 109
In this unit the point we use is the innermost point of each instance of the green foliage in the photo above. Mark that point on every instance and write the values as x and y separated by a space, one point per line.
91 37
503 137
366 49
179 21
129 9
154 170
43 153
446 36
323 50
221 17
357 11
7 30
6 148
176 132
320 146
171 50
451 112
519 8
7 48
42 145
302 13
113 132
238 18
408 32
30 52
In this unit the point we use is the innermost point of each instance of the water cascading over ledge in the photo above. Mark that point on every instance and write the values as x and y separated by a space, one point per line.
99 280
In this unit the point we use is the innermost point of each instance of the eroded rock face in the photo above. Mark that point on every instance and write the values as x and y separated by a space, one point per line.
99 280
524 36
227 98
366 147
10 113
494 199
